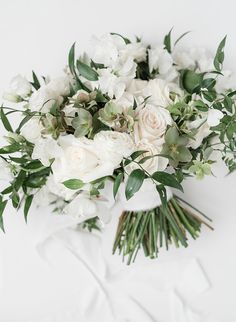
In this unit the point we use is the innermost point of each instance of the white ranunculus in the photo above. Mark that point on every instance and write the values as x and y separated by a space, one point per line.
47 95
203 127
46 149
137 51
152 165
158 92
111 84
19 88
81 160
114 145
151 124
32 129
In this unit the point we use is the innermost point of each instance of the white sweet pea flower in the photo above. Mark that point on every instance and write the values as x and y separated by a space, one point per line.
105 50
198 58
58 188
81 160
159 59
203 127
47 95
137 51
32 129
19 89
114 145
125 67
111 84
155 163
214 117
151 124
46 149
5 171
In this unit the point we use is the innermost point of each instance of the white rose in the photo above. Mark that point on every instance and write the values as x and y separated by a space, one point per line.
114 145
158 92
152 165
46 149
19 88
203 127
49 94
151 124
32 129
80 159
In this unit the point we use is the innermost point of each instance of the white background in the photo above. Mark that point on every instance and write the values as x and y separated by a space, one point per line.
37 35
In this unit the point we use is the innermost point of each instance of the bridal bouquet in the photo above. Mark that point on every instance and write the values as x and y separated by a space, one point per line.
127 122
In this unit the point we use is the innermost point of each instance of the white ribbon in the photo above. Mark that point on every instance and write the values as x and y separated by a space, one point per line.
146 198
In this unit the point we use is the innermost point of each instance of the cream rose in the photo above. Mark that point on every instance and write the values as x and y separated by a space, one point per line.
158 93
151 124
80 159
156 163
114 145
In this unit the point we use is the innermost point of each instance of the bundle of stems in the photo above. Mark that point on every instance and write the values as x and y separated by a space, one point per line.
158 227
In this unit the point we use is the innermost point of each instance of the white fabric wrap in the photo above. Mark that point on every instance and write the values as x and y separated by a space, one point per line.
145 199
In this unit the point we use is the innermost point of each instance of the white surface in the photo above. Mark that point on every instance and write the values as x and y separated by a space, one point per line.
37 35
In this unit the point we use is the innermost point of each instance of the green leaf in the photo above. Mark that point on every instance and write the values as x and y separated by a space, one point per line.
2 208
24 121
15 198
10 148
35 83
201 106
5 121
137 154
28 202
183 35
171 135
126 40
167 41
86 71
117 183
73 184
219 57
71 59
228 104
134 183
191 81
19 180
167 179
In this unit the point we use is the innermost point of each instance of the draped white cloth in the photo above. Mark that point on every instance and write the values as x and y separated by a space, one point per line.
108 290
